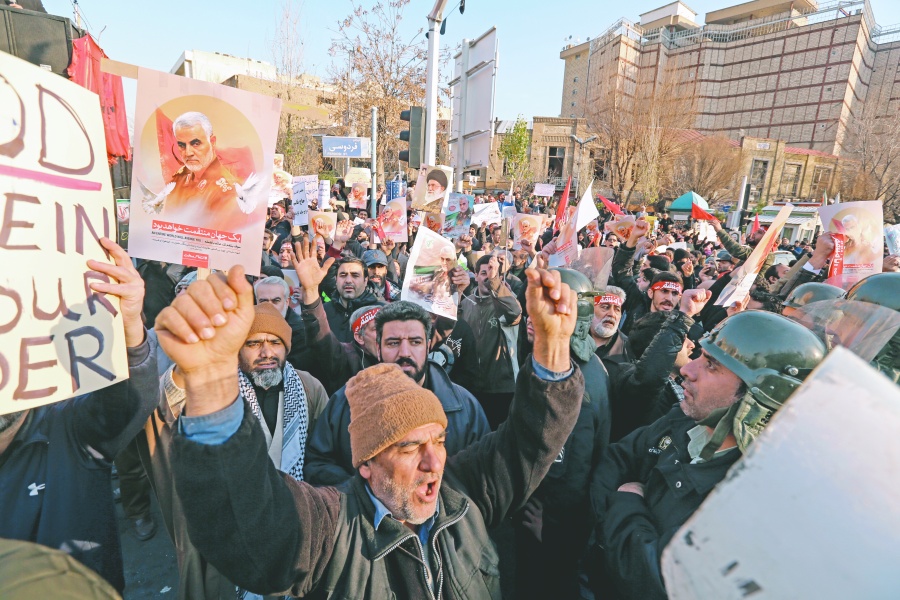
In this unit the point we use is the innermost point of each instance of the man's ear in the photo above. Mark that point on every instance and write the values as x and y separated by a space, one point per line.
364 471
212 140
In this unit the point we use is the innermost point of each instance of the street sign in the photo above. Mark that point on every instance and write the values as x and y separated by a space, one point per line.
726 208
346 147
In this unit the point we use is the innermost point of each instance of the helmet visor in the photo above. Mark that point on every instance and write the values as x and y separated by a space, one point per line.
861 327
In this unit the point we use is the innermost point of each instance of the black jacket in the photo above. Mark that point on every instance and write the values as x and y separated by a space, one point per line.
639 393
339 315
55 475
635 530
328 456
637 303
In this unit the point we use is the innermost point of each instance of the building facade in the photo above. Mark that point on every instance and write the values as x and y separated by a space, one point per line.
795 71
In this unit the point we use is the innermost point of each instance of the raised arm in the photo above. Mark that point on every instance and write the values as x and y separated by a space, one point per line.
502 470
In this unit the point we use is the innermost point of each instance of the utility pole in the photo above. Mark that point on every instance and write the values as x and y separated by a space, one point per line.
435 19
461 140
374 146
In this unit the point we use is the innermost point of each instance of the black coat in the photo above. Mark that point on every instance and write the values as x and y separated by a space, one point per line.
635 530
339 315
637 303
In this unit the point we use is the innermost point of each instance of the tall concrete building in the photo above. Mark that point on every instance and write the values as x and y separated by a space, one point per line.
790 70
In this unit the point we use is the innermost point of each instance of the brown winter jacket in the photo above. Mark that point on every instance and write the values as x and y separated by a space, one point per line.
270 534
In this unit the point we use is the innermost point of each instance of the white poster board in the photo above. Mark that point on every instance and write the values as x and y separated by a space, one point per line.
811 510
427 278
544 190
58 339
863 225
304 189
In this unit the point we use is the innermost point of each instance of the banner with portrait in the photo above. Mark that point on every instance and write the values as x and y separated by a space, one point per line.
322 223
432 221
862 224
458 215
392 221
58 338
427 278
527 227
203 163
432 188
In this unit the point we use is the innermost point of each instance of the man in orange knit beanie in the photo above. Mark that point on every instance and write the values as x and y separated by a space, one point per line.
412 523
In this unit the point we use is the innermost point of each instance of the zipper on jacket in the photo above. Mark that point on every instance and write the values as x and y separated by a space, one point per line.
434 537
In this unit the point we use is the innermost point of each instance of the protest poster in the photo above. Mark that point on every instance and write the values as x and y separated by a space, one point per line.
816 481
458 215
621 225
434 222
509 211
863 228
432 188
544 190
303 191
596 264
324 193
358 175
322 223
281 181
359 196
744 276
427 279
892 238
203 163
527 228
567 241
58 338
392 221
486 214
123 216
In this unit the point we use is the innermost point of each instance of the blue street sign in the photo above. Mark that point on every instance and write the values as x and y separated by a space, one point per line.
346 147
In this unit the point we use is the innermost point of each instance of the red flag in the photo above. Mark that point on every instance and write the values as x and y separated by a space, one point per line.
755 227
837 257
699 213
611 206
563 203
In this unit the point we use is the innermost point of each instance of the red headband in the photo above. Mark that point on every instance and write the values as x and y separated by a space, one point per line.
667 285
364 319
607 299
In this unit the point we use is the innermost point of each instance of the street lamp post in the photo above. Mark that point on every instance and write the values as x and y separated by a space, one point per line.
581 144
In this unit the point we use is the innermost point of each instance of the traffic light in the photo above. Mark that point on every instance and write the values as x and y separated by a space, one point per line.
415 135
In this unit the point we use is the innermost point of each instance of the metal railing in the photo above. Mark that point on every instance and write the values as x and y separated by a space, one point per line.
753 28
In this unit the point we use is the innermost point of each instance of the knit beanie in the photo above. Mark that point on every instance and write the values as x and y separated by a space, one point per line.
269 320
385 405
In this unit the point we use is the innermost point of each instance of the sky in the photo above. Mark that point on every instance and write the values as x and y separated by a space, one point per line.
531 34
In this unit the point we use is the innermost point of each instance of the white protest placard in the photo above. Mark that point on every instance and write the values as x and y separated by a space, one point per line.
863 227
743 277
427 279
487 213
324 193
58 339
303 189
818 484
545 190
358 175
203 163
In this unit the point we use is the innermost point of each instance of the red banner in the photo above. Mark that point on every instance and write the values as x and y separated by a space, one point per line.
611 206
563 203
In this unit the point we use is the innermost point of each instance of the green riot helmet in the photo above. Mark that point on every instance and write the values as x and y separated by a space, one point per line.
770 353
581 343
807 293
882 289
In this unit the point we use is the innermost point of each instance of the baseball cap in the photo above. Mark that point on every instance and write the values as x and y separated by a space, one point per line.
374 257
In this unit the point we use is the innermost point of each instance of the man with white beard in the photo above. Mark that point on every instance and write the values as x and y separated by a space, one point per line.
612 344
277 292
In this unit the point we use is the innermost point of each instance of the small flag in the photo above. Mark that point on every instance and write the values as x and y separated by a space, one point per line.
587 210
755 226
611 206
563 203
699 213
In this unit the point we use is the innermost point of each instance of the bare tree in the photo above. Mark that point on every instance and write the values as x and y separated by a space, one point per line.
641 128
378 64
295 133
708 167
870 165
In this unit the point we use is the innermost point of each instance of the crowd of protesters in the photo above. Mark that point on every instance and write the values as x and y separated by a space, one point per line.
321 437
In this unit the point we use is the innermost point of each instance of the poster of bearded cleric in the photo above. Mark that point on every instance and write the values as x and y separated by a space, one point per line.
203 161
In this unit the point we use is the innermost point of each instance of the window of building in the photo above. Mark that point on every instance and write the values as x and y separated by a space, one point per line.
821 179
573 104
790 180
574 92
556 161
324 100
577 56
575 79
758 171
